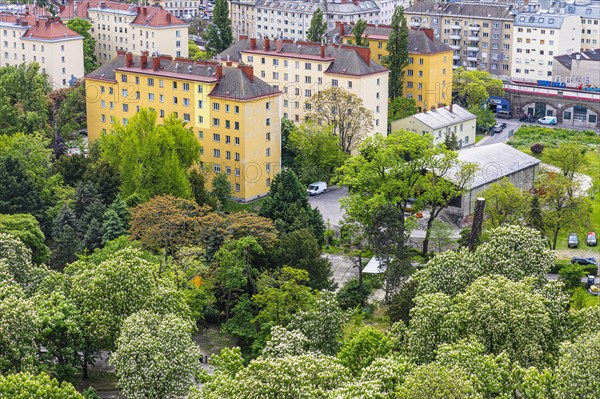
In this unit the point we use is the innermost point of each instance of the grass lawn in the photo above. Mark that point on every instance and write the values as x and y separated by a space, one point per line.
523 140
253 206
479 137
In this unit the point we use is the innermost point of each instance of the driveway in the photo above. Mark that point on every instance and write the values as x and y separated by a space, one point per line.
329 205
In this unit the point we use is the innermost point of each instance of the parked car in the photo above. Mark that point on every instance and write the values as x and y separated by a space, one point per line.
497 129
528 118
583 261
547 120
317 188
591 239
573 240
504 114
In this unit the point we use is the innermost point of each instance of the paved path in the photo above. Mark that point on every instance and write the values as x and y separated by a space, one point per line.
329 205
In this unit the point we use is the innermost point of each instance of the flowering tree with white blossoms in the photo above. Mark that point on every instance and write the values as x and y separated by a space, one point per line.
285 343
579 367
435 381
18 259
156 357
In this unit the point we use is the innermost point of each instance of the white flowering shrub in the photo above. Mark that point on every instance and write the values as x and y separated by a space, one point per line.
155 357
578 368
435 381
17 258
388 373
515 252
449 273
285 343
19 326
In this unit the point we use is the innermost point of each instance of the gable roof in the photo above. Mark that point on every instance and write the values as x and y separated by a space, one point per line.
345 59
156 16
50 29
477 10
567 59
442 117
495 161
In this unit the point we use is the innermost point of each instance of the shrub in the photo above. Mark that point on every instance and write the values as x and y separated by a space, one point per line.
537 148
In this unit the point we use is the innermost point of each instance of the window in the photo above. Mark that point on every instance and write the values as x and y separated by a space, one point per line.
268 152
268 122
216 106
150 82
125 107
186 102
307 66
268 136
186 117
236 109
174 85
421 61
150 96
237 186
236 125
216 122
237 156
334 82
186 87
217 168
237 141
227 154
227 124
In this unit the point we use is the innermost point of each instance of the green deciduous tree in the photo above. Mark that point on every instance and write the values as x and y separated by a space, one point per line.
401 107
23 102
397 58
156 357
83 26
318 27
344 112
505 203
27 229
17 259
288 206
67 111
434 381
152 159
41 386
360 350
219 36
318 152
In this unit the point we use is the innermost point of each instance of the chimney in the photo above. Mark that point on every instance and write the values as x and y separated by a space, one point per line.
155 63
24 23
243 37
144 59
440 105
267 44
356 2
364 53
120 52
219 72
428 32
128 60
229 63
450 109
248 70
433 107
342 26
322 51
61 8
344 1
168 17
252 43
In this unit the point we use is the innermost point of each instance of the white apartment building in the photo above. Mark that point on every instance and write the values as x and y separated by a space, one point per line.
125 26
45 40
184 9
538 38
290 19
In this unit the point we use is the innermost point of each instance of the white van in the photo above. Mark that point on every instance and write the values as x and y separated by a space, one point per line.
317 188
548 120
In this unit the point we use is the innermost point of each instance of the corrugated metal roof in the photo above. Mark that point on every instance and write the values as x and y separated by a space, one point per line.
442 117
495 161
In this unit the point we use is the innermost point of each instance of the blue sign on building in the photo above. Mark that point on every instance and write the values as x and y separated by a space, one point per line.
496 104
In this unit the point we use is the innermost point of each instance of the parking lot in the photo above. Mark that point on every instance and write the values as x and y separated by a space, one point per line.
328 204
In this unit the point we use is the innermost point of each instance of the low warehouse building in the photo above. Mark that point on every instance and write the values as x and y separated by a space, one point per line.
495 162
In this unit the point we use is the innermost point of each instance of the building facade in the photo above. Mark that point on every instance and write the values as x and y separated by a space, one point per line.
538 39
480 35
579 69
290 19
428 76
234 115
301 69
125 26
44 40
183 9
441 122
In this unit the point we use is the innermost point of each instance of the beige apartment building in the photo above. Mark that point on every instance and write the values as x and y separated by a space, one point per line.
581 68
45 40
538 39
301 69
125 26
480 35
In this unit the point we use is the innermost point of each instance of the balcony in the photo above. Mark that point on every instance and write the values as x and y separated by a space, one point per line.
454 46
470 68
474 49
474 28
456 57
472 59
455 37
455 27
473 38
414 24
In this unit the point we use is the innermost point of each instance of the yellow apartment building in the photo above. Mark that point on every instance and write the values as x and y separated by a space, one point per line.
127 26
57 49
428 77
235 115
302 69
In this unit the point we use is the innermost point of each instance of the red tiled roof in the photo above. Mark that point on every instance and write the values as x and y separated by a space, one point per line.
80 9
156 16
48 29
